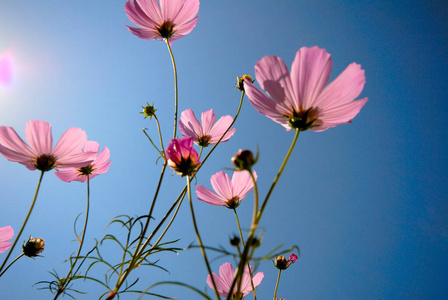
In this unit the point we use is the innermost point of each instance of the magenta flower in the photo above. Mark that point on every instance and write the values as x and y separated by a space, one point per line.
301 100
182 157
229 193
207 132
6 233
171 20
225 279
292 258
99 165
40 153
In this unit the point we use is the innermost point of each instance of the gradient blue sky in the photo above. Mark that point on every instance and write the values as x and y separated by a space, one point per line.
366 202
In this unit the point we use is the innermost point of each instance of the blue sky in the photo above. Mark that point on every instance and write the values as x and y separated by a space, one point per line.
366 202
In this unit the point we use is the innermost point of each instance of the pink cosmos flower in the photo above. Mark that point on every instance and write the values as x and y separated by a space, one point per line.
40 153
207 132
303 100
182 157
6 233
229 193
99 165
171 20
225 279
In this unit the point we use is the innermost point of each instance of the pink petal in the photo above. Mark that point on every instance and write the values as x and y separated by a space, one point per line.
258 278
265 105
101 163
91 146
6 233
345 88
137 16
208 118
227 273
71 142
170 8
219 128
77 160
70 175
222 184
274 78
208 196
146 34
38 135
221 286
310 72
151 8
188 11
183 29
14 148
189 125
341 114
242 183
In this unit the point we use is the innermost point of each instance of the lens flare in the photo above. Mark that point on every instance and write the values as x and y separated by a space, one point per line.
5 70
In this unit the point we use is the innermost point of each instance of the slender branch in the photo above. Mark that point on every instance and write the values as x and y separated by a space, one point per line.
175 88
276 285
15 259
24 223
199 239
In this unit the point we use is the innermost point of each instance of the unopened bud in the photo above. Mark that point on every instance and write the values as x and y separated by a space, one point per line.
244 160
33 247
235 241
149 111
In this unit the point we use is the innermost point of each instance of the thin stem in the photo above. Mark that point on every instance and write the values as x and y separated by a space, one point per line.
16 259
144 131
248 266
199 238
160 136
175 88
280 171
254 225
276 285
24 223
69 274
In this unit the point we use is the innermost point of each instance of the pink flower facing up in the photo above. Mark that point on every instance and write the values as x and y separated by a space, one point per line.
302 99
6 233
99 165
182 157
229 193
40 153
207 132
171 20
225 279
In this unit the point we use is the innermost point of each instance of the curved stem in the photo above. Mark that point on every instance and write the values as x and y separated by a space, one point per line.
69 274
160 136
199 238
175 87
15 259
24 223
157 149
276 285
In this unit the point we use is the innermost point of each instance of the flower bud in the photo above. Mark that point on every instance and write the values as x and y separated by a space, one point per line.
235 241
182 157
149 111
240 84
282 263
33 247
244 160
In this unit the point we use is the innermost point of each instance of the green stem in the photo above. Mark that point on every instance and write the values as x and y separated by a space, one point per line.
276 286
16 259
68 277
280 171
199 238
248 266
157 149
175 88
24 223
239 272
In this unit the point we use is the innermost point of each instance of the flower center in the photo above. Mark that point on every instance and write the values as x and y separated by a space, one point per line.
233 203
45 162
166 29
204 140
304 119
87 170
